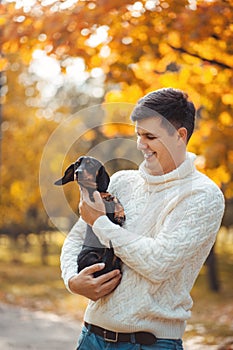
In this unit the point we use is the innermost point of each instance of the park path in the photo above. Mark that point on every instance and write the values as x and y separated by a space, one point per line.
22 329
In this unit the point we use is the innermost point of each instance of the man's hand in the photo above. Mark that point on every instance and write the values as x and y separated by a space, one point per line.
94 288
90 211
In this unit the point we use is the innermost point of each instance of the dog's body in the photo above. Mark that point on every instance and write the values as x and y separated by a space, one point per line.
91 174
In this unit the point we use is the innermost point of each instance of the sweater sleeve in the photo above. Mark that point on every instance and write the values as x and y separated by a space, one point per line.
189 228
70 250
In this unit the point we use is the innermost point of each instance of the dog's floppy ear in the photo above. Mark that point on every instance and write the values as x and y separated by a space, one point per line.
102 180
68 176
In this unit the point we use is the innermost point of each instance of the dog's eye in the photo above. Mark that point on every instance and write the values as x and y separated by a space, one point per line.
76 165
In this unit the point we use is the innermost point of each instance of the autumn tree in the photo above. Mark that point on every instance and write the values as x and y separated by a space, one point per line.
135 46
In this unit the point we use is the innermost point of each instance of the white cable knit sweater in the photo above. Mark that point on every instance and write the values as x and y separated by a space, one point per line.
171 224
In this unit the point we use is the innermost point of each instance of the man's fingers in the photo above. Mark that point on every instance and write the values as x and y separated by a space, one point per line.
85 194
93 268
90 270
97 197
110 285
108 276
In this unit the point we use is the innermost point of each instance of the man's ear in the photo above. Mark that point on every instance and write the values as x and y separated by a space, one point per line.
182 134
102 180
68 176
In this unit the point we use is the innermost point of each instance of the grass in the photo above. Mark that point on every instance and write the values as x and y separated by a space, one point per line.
26 282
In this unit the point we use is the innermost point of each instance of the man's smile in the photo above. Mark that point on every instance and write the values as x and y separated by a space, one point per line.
148 155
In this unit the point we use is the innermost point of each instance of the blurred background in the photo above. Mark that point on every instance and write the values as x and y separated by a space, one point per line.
85 64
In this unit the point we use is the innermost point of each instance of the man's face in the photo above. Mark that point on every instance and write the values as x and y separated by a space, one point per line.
163 151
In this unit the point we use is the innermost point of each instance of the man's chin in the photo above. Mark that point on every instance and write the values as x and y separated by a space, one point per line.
154 167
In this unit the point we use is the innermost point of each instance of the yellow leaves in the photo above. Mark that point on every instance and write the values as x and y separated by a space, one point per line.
200 163
89 135
10 47
174 39
17 189
128 93
118 112
214 143
140 54
225 119
96 61
56 161
206 128
117 129
169 79
230 156
29 21
62 50
207 76
19 194
3 63
164 48
2 21
228 192
145 69
38 24
227 99
118 107
219 175
26 55
114 96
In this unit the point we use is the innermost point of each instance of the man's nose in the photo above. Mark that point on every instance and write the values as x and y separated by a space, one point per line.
141 145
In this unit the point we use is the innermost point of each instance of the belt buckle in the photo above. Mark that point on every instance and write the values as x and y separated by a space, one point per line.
112 340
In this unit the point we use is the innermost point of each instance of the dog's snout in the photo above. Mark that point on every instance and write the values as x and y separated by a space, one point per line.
78 173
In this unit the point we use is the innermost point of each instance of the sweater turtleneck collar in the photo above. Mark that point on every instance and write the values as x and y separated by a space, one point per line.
186 168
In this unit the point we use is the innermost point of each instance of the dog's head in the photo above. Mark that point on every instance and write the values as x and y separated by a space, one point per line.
88 172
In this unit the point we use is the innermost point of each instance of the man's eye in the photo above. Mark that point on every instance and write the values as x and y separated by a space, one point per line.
149 137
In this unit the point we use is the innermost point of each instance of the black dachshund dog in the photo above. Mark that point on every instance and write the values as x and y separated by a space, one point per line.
91 174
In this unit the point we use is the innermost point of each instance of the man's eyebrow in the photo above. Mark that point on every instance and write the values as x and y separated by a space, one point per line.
144 132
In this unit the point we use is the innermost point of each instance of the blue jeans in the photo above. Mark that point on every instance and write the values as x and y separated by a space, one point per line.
91 341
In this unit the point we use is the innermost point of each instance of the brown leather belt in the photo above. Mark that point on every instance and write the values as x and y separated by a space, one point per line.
143 338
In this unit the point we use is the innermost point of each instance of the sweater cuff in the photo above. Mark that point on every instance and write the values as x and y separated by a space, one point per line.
107 231
66 282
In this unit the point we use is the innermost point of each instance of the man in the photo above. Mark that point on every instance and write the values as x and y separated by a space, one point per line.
173 213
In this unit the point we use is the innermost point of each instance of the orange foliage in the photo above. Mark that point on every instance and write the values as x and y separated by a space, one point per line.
140 47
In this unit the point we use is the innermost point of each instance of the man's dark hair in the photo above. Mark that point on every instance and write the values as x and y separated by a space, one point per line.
171 105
